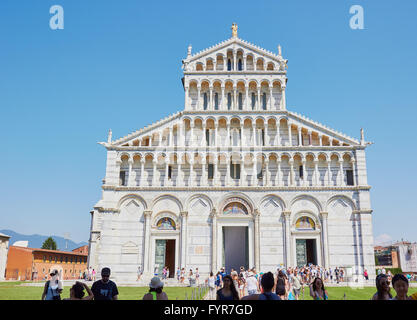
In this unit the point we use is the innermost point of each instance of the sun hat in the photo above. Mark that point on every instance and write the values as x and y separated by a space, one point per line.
156 283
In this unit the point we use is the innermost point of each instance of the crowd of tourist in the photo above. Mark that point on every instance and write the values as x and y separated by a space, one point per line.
242 284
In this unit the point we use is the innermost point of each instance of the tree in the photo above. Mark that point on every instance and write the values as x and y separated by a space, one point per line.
49 244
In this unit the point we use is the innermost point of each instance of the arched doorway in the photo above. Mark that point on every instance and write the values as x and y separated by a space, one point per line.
236 231
165 246
306 235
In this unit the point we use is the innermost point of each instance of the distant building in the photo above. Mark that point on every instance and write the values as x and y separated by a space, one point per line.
398 255
83 249
36 264
4 247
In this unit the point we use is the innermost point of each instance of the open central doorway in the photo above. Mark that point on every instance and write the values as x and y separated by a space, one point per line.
235 248
165 256
306 252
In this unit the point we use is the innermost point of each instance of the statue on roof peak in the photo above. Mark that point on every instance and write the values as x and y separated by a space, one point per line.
234 30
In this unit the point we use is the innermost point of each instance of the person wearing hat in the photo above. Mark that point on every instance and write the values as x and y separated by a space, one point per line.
155 290
105 289
53 287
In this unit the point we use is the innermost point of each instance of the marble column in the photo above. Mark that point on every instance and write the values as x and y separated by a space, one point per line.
278 177
305 174
325 239
186 98
146 255
184 215
287 217
254 134
246 98
254 172
142 171
353 171
320 140
213 216
291 162
222 104
341 178
266 134
267 173
300 141
166 172
329 173
131 176
191 141
278 124
258 107
270 98
289 134
283 99
198 107
154 181
257 240
211 104
316 173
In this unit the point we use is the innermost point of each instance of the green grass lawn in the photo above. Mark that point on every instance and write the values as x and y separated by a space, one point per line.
15 291
337 293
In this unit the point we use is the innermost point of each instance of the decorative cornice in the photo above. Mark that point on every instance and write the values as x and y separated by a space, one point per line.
143 130
237 188
107 210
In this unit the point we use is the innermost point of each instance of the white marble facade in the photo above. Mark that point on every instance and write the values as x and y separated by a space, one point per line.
4 250
235 156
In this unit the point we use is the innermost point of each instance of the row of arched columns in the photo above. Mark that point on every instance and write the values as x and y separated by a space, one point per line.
235 95
227 132
237 169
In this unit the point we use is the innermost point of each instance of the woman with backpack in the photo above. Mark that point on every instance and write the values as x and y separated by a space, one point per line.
53 287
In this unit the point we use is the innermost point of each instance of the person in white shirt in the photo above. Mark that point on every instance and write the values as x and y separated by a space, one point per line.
251 284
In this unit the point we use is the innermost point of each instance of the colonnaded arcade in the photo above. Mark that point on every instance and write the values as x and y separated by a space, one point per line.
235 179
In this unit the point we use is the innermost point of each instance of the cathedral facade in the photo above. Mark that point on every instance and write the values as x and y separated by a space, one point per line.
235 179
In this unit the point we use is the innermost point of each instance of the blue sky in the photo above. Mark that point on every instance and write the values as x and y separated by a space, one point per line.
61 91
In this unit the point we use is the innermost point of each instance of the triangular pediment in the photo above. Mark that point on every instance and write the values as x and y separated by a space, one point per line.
234 44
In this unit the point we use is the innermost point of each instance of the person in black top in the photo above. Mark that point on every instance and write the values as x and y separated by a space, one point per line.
105 289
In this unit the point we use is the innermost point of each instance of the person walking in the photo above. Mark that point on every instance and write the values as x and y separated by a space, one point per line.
267 284
228 292
53 287
197 277
139 273
317 290
296 284
211 283
167 275
218 280
251 284
93 273
105 289
178 274
77 292
382 287
155 290
281 284
366 275
164 273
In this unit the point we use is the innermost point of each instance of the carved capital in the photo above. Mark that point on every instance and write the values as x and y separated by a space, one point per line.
147 213
286 214
213 213
324 214
184 214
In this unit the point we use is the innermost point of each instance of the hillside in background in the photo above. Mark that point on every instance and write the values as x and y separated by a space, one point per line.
36 240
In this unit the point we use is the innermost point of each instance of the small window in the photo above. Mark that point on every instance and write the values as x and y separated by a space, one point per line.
169 172
205 101
208 137
216 101
301 171
61 258
240 101
229 65
263 136
229 101
349 177
235 170
122 178
264 101
71 260
239 65
260 171
253 101
50 258
66 259
210 169
44 258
